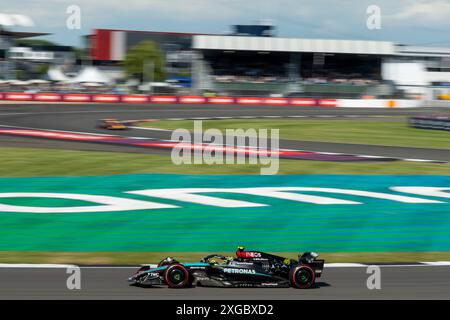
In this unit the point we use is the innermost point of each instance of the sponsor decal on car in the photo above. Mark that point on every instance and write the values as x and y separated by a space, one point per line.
240 271
153 274
251 254
250 285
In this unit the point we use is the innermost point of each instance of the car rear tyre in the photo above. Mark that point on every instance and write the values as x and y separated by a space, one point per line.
302 277
177 276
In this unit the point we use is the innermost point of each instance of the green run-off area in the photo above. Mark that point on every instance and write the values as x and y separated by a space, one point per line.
375 225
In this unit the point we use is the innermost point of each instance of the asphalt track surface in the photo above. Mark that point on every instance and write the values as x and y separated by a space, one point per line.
82 118
397 282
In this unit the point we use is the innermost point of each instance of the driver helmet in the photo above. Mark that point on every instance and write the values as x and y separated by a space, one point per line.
167 261
240 250
212 261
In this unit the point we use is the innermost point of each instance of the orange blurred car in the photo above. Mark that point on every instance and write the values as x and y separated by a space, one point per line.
111 124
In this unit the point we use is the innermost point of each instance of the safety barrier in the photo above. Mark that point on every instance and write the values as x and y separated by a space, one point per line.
18 96
272 101
431 122
115 98
47 97
76 97
379 103
105 98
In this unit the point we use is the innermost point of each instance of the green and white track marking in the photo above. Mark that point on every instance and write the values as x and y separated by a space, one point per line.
192 213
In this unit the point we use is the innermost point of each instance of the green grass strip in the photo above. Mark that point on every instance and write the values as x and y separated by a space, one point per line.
32 162
361 131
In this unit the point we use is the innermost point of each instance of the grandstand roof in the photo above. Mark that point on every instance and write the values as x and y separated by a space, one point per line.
20 35
217 42
422 51
151 32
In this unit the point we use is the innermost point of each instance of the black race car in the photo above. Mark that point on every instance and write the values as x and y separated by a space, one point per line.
247 269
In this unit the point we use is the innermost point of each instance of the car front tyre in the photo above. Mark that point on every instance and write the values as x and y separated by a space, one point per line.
177 276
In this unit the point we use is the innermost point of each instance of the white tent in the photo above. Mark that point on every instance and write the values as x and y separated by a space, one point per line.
91 74
39 81
19 20
55 74
91 84
19 82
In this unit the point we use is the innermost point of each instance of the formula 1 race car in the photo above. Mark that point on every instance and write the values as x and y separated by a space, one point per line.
111 124
247 269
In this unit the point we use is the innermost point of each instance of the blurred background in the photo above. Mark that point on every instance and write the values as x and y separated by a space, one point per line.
246 60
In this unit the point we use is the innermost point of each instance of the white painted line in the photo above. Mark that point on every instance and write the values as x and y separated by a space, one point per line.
119 267
344 265
359 265
109 267
140 138
15 113
438 263
80 111
149 128
37 266
65 131
404 265
369 156
418 160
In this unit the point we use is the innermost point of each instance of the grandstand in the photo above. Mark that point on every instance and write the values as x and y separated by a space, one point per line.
293 67
250 60
265 72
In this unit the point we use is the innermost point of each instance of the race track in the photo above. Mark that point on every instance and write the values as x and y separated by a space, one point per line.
397 282
82 118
